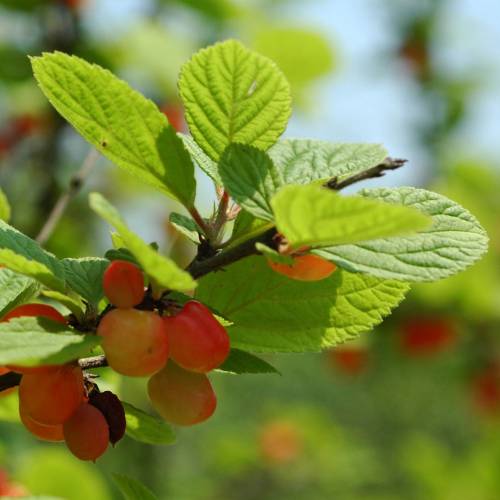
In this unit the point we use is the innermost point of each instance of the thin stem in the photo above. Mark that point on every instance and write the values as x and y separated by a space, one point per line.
221 217
200 221
93 362
74 187
376 171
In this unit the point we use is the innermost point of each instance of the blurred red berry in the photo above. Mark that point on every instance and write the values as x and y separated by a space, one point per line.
423 336
280 442
175 116
486 390
349 360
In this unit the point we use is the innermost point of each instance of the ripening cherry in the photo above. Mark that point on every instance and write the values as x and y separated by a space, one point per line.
485 388
33 310
51 397
36 310
135 342
86 433
423 336
44 432
198 342
307 267
123 284
281 442
180 396
175 116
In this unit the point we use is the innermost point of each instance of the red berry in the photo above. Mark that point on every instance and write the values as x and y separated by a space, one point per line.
86 433
349 360
123 284
198 342
423 336
280 442
36 310
135 342
181 397
51 397
175 116
486 390
307 267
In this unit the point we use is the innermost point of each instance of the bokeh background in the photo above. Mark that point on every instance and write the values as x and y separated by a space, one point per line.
409 411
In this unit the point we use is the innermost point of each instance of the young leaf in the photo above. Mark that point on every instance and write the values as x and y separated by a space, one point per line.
162 270
241 362
15 289
278 314
38 341
84 276
272 255
315 216
4 207
454 241
201 159
232 94
251 178
120 122
302 161
186 226
21 254
147 429
73 303
132 489
246 226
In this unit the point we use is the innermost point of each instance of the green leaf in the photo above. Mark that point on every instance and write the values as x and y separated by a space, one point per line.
232 94
251 178
201 159
240 362
84 276
120 122
37 341
147 429
273 255
302 161
315 216
278 314
162 270
132 489
246 226
186 226
454 241
15 290
21 254
73 303
4 207
121 254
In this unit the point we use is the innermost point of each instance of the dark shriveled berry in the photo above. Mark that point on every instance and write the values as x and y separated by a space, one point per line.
112 409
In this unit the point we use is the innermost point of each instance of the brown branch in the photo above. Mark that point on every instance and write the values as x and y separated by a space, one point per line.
199 268
93 362
371 173
9 380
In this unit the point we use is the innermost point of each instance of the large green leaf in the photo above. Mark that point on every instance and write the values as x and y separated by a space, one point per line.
251 178
315 216
186 226
232 94
453 242
272 313
84 276
38 341
4 207
145 428
23 255
132 489
162 270
302 161
119 121
15 289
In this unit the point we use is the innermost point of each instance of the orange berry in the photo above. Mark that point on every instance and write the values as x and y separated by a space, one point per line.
307 267
135 342
181 397
86 433
44 432
123 284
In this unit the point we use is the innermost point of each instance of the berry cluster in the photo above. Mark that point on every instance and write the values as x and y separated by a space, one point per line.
55 403
177 349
